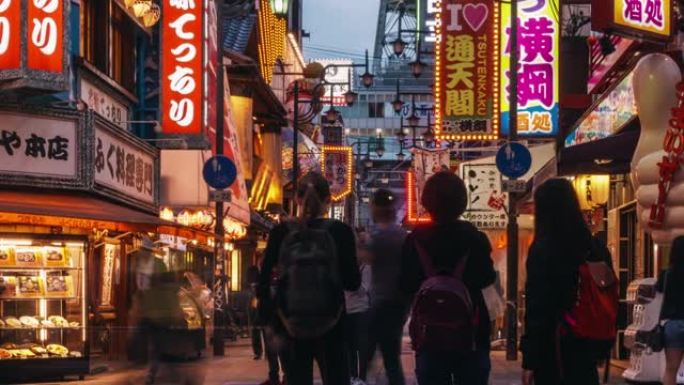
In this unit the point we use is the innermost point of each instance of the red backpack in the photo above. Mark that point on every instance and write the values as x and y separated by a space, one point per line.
594 315
443 317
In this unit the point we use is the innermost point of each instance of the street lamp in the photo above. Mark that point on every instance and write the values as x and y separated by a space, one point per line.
413 120
380 150
428 135
399 45
350 97
332 115
280 7
401 135
398 104
367 78
417 67
401 156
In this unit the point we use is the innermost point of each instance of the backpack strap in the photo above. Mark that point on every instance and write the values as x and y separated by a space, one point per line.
425 260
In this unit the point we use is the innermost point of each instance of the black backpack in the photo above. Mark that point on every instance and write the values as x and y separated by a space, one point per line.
310 297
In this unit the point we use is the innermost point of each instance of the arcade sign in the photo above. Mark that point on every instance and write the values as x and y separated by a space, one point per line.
34 41
644 19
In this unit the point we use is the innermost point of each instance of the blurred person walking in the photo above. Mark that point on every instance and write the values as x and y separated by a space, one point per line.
446 264
570 319
356 321
316 259
389 306
671 284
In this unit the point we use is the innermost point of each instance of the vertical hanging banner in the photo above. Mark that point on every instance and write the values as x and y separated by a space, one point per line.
426 163
466 79
10 31
336 164
182 66
45 35
538 74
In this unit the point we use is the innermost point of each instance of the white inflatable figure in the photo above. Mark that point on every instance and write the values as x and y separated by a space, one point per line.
655 79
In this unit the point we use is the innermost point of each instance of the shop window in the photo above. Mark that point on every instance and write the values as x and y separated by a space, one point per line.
94 15
376 110
123 49
108 40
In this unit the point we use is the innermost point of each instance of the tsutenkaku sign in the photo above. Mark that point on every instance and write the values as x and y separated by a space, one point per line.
538 84
466 84
182 66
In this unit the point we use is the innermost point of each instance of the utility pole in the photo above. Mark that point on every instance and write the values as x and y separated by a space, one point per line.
512 230
295 148
219 249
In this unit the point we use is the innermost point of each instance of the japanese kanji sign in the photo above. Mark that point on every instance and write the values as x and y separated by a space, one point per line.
642 19
105 105
653 16
31 145
182 66
426 163
486 201
336 164
123 167
45 29
467 63
538 75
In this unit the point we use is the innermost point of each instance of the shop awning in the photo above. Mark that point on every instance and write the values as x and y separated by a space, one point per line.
83 211
611 155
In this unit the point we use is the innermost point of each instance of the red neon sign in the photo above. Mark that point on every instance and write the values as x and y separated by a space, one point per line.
45 50
10 30
182 73
412 202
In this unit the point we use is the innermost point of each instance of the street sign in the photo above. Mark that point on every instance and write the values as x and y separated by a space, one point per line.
514 186
220 196
219 172
513 160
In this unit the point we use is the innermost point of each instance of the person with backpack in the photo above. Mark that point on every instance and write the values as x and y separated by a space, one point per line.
671 284
316 262
445 265
571 294
389 306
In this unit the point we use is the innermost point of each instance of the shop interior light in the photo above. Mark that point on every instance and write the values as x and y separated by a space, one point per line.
15 242
141 7
280 7
152 16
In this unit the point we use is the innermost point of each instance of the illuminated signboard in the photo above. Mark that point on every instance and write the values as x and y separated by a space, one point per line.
466 80
428 19
338 76
182 72
336 164
607 117
45 50
538 77
634 18
33 44
425 164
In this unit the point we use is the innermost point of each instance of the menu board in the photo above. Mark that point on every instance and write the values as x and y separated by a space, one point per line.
59 286
34 257
31 286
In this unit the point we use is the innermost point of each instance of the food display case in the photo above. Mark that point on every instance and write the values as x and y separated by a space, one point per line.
43 318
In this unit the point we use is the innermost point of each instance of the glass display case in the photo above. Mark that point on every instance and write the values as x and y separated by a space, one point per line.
43 318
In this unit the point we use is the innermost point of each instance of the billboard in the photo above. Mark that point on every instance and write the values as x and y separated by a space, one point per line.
466 84
538 74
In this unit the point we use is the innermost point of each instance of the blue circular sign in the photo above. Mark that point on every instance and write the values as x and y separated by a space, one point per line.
219 172
514 160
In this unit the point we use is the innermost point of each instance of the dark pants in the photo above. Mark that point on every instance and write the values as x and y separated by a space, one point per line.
328 351
579 362
257 341
356 330
439 368
387 327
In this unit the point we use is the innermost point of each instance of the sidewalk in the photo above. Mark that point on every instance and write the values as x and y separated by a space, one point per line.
238 368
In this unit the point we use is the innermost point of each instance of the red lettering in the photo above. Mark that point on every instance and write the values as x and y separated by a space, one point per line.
657 216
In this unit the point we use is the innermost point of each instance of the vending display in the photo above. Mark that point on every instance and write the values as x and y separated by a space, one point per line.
645 365
42 305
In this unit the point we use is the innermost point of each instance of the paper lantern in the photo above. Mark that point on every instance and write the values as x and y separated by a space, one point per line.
152 16
592 190
141 7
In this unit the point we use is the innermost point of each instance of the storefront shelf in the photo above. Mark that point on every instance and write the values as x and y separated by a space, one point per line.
39 298
9 268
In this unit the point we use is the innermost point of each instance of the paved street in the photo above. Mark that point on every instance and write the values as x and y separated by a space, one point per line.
238 368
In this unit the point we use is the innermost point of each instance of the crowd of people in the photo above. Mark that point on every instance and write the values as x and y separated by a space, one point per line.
328 295
333 296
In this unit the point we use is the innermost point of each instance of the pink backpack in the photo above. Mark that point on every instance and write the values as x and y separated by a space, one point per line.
443 317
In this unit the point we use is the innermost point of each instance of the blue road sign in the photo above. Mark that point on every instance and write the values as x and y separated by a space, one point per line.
219 172
514 160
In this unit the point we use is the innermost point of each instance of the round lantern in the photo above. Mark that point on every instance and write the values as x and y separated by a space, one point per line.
592 190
